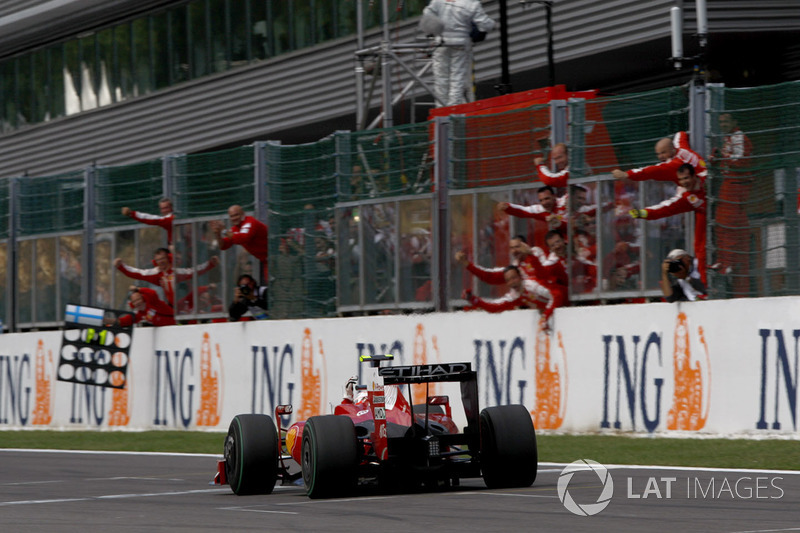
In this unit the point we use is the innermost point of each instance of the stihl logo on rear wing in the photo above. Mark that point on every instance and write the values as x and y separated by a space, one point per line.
423 373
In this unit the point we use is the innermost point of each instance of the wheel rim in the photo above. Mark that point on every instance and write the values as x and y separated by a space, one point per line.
230 456
308 463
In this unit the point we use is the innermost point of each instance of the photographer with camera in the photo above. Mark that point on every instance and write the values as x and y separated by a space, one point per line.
248 296
687 287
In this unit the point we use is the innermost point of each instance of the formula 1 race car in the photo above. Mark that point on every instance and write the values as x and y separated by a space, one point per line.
377 436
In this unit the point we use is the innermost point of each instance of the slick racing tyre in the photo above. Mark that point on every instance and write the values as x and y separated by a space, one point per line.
330 456
251 454
509 457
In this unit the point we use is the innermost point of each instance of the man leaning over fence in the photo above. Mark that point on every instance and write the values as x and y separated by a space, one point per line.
690 197
246 231
522 294
164 220
671 153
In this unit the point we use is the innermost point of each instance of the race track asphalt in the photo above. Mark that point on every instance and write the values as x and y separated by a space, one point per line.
57 491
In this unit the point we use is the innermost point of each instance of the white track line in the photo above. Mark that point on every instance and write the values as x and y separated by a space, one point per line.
686 468
100 452
111 497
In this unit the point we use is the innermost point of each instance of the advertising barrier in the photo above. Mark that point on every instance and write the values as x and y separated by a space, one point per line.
717 368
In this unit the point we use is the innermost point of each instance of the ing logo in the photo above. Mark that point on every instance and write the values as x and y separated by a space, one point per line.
689 411
312 375
43 412
119 414
421 358
210 384
551 390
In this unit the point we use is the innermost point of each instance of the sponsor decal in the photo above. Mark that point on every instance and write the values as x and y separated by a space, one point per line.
174 388
779 383
690 402
418 392
43 411
210 394
551 389
313 393
424 370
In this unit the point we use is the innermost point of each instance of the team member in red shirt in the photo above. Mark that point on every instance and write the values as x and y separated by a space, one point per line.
148 309
732 232
560 175
522 294
246 231
164 220
690 196
550 210
163 274
522 256
672 153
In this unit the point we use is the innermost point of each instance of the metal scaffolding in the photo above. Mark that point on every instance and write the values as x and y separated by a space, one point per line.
379 60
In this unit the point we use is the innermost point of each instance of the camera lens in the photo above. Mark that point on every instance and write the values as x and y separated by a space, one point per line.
675 266
244 289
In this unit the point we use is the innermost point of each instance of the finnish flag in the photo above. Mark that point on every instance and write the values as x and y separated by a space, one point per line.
80 314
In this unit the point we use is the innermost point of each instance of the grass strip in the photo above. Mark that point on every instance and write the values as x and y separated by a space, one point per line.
767 454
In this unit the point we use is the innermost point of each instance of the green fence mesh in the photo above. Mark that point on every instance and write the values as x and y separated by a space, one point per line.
5 204
754 141
50 204
498 149
207 184
385 162
138 186
301 187
627 127
370 191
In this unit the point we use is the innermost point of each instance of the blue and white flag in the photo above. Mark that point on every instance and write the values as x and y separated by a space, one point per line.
80 314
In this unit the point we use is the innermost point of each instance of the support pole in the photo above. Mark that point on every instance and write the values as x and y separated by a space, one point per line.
551 65
504 87
386 69
440 229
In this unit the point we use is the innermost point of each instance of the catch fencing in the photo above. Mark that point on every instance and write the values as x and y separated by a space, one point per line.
368 221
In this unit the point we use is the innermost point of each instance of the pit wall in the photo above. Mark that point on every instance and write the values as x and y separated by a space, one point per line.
717 367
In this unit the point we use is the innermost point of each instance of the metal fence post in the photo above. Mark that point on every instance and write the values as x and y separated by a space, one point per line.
576 128
697 117
168 177
558 122
13 254
89 224
441 176
790 218
260 185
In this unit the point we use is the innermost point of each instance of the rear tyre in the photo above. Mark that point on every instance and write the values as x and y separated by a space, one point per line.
509 457
251 454
330 456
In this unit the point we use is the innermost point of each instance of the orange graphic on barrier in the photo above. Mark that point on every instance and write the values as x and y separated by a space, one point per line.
421 392
208 412
687 412
312 393
119 414
549 411
43 413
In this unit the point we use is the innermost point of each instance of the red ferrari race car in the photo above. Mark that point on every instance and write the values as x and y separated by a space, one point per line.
376 436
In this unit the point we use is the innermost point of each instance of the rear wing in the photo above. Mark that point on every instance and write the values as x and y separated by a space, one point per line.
401 375
441 372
